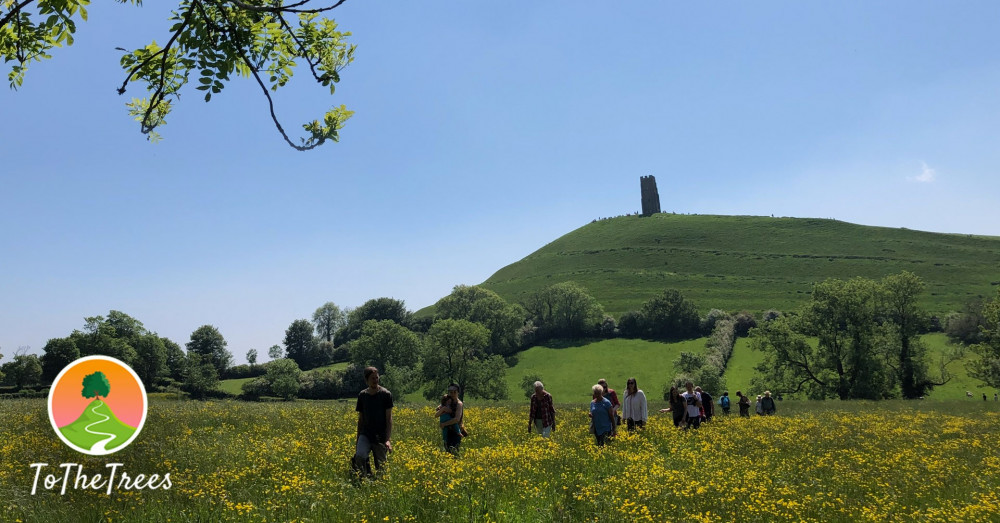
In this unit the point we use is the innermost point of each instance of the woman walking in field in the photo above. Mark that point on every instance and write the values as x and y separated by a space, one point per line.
677 406
635 406
602 414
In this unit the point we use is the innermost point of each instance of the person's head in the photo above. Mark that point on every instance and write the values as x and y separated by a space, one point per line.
689 386
453 390
446 401
767 393
603 383
697 389
631 387
759 397
725 393
539 388
371 377
674 392
739 393
598 391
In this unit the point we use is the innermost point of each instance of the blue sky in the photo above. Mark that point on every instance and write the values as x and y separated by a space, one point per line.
482 132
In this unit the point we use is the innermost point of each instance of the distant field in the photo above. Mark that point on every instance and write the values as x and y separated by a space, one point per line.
748 262
235 386
569 373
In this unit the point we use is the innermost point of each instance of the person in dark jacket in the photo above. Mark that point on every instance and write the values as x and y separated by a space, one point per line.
744 403
677 406
767 404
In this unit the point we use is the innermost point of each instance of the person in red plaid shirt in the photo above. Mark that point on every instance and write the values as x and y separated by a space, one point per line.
543 413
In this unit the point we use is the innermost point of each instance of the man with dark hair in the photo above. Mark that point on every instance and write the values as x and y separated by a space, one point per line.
692 415
374 423
706 402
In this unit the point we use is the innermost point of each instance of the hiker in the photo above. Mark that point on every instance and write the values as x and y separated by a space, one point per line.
374 424
602 416
707 405
767 404
677 406
634 410
542 414
455 437
692 412
744 403
724 403
612 396
757 407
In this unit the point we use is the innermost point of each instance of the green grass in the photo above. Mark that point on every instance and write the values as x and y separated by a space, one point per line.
937 345
740 368
569 373
748 262
92 416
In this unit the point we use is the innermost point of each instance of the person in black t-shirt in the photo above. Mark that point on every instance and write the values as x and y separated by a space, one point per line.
374 423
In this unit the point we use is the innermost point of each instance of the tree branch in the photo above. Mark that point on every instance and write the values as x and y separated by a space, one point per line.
291 8
15 11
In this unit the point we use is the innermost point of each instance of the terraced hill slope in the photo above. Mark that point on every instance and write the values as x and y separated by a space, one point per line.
749 262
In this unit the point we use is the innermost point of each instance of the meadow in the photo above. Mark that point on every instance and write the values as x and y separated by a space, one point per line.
235 461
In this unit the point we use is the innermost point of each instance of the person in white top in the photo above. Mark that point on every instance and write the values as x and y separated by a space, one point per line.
635 406
692 416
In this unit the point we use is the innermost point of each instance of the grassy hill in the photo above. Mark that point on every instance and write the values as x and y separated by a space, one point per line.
748 262
92 415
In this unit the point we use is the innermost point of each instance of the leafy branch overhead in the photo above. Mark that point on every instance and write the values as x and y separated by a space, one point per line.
209 41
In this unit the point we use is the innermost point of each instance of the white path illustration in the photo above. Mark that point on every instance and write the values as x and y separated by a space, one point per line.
100 446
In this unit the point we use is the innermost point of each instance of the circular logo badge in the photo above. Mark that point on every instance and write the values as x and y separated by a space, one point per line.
97 405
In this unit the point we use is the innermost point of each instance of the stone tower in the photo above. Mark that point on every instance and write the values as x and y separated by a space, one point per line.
650 196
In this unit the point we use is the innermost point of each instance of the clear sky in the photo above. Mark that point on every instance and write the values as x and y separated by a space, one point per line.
483 131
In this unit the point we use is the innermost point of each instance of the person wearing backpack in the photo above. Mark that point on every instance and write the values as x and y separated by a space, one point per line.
724 403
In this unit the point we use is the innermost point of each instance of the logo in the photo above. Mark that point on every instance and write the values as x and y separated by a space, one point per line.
97 405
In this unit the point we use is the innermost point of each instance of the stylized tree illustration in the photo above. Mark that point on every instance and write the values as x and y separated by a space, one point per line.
96 385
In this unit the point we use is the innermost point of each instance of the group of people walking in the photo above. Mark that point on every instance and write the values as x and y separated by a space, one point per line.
689 408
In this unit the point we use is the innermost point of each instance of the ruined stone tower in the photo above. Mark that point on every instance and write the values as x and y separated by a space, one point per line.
650 196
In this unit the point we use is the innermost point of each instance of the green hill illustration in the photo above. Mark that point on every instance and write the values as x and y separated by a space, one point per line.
97 428
97 424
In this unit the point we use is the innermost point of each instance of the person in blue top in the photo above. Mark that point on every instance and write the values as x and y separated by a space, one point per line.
603 416
450 433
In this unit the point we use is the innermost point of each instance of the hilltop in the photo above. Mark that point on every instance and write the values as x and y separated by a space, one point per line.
748 262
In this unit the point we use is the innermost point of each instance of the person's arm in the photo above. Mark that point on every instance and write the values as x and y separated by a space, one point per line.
643 415
455 419
388 428
611 415
361 422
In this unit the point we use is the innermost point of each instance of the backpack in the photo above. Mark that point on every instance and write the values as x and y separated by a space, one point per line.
724 402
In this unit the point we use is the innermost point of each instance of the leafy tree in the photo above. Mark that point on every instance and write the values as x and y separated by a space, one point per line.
986 367
208 39
564 310
101 337
384 343
25 370
208 342
275 352
301 346
900 295
328 318
377 309
252 357
744 322
58 353
176 360
402 380
670 316
631 325
844 363
125 327
455 352
488 309
966 326
283 376
2 375
714 315
201 375
152 358
96 385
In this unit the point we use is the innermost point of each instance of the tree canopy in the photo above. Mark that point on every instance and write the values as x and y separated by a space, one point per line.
207 40
96 385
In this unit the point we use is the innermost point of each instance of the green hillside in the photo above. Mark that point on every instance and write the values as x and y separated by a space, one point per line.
76 432
748 262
